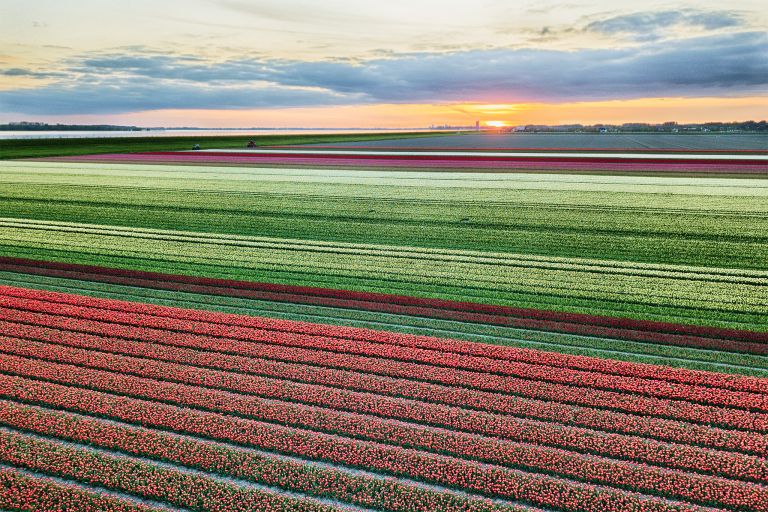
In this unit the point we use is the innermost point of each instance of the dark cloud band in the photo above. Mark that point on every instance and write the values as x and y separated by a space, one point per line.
733 64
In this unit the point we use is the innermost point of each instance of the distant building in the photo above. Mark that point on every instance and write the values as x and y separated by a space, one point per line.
477 126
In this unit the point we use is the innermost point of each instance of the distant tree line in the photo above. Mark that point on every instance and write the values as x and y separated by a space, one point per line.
32 127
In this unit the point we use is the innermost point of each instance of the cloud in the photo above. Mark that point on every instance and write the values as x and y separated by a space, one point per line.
28 73
290 11
729 64
694 66
165 67
115 97
646 26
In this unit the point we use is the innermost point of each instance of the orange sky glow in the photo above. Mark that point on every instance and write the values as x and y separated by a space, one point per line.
650 110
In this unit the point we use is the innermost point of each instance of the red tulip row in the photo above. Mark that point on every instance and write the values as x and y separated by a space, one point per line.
26 493
737 383
366 491
363 403
368 428
688 334
634 404
536 489
592 418
659 389
623 368
133 476
466 398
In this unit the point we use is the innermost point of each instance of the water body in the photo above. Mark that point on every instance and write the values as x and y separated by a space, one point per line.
67 134
675 141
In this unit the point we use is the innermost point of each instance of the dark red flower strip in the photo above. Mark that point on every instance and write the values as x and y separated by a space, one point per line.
648 387
26 493
727 464
537 489
446 314
548 158
144 479
158 279
367 491
737 383
462 397
472 317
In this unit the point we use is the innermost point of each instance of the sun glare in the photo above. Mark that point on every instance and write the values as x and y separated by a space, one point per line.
496 124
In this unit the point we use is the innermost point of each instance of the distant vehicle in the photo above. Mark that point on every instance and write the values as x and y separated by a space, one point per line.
251 144
196 147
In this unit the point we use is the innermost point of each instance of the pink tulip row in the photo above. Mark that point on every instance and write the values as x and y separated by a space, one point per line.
467 446
30 494
666 166
362 490
658 389
143 479
682 376
536 489
414 389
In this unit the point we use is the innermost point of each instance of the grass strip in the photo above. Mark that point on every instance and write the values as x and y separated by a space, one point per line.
36 148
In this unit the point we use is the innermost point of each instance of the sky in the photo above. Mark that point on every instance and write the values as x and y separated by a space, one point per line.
399 63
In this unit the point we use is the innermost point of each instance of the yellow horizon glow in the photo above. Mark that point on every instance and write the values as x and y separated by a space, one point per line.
496 124
643 110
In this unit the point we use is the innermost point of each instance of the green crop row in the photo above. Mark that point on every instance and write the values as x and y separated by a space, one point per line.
723 226
35 148
665 295
584 279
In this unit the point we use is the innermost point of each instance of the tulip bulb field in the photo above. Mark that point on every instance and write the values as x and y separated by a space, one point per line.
404 330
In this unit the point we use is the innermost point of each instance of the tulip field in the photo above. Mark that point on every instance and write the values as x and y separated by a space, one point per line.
299 330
